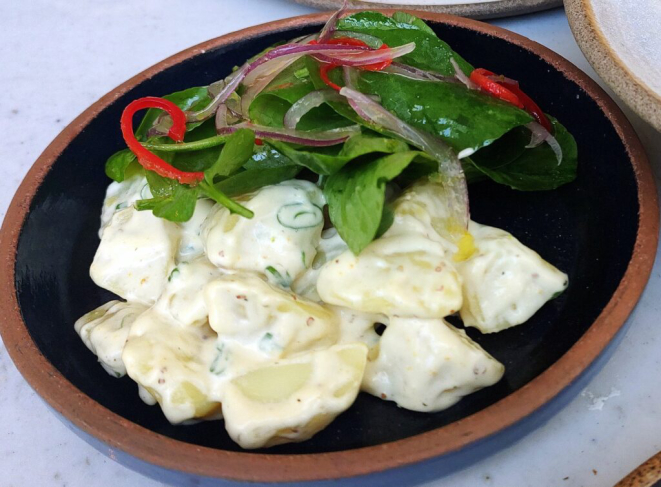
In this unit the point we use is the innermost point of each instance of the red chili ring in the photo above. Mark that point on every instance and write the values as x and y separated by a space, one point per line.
148 159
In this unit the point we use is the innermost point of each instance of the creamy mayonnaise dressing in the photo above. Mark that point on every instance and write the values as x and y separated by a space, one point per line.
105 331
428 365
275 325
122 195
407 275
171 362
505 282
293 399
136 255
182 299
280 241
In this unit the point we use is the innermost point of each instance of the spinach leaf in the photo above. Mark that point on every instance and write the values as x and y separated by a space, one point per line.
430 52
406 18
537 169
188 99
121 165
465 119
236 152
356 196
253 179
504 150
327 163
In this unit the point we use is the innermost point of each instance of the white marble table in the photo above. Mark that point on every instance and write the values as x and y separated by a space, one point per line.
59 56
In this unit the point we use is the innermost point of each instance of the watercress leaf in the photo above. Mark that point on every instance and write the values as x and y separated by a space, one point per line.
189 99
465 119
253 179
118 165
177 206
356 196
264 156
236 152
193 160
431 53
149 204
160 186
538 169
180 206
322 161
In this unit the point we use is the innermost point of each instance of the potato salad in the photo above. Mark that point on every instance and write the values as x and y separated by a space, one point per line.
299 232
271 323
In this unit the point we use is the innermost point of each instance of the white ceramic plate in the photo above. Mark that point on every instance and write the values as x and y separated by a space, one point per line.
478 9
620 39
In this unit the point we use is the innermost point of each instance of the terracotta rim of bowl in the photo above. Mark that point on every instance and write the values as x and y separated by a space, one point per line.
160 450
481 10
607 63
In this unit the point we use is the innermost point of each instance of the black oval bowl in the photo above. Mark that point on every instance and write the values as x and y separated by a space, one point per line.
600 229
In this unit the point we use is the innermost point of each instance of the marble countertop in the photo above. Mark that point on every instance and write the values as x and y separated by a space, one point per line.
59 56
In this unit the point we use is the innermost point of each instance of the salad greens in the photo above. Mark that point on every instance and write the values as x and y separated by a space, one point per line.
249 144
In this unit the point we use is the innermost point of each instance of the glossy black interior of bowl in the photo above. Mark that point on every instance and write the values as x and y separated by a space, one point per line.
587 229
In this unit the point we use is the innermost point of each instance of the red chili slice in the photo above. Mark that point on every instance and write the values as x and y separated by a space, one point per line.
349 41
323 73
529 105
147 159
480 77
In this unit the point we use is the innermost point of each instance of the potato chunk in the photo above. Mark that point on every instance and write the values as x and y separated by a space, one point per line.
245 308
172 363
291 400
105 331
183 296
120 196
428 365
136 255
505 282
401 275
279 242
192 242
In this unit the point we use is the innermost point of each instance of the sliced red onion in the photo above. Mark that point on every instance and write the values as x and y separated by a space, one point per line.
372 56
461 76
293 50
160 127
307 103
417 74
231 83
233 104
216 87
350 77
262 82
330 26
313 139
221 117
539 135
448 164
503 79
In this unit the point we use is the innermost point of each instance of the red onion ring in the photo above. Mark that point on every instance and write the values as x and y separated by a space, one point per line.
307 103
